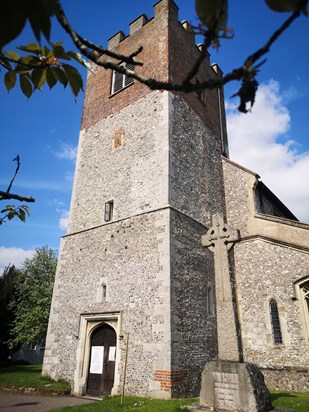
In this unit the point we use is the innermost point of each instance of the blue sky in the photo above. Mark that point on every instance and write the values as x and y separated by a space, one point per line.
273 140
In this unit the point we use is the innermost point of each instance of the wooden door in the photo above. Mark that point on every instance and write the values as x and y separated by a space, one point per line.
102 361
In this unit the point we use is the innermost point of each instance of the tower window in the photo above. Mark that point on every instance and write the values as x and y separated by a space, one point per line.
104 292
109 209
119 80
275 322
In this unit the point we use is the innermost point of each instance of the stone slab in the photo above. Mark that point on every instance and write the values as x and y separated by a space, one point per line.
229 386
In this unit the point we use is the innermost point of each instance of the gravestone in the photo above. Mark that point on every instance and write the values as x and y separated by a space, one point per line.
228 384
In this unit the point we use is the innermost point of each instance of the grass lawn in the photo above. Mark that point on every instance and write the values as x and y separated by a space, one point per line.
132 403
297 401
293 400
27 378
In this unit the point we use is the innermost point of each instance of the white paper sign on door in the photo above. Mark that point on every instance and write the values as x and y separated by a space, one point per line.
96 365
112 353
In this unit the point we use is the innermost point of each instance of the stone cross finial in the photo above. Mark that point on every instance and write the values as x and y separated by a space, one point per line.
219 239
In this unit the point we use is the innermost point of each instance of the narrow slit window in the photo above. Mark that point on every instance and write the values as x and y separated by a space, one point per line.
109 210
120 80
104 292
275 322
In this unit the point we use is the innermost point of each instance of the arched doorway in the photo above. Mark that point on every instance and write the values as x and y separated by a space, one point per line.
102 361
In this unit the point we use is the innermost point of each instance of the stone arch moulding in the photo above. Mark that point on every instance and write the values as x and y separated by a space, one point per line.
283 322
88 323
301 288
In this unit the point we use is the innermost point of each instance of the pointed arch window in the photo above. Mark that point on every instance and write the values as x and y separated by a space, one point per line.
275 322
305 290
302 295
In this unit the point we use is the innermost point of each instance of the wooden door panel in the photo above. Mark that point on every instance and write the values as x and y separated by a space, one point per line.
102 365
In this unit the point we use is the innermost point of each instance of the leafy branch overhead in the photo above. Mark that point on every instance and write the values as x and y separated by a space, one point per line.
39 65
11 211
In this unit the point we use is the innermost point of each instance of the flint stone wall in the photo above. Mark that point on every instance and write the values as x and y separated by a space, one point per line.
131 258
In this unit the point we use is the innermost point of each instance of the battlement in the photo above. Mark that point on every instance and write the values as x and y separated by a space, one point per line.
168 51
162 9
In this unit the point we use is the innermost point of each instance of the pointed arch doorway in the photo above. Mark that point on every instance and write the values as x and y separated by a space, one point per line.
101 370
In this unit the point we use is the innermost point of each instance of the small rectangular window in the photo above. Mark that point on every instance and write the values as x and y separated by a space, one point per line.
108 213
120 80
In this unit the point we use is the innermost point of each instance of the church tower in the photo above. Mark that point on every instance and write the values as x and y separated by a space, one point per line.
133 277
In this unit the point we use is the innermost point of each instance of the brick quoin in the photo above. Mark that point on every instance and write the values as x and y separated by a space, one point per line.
170 380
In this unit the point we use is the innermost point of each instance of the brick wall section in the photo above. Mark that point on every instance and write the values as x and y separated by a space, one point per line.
153 36
171 381
164 41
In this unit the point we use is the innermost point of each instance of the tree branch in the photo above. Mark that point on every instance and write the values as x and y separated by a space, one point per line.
17 158
187 86
83 44
8 196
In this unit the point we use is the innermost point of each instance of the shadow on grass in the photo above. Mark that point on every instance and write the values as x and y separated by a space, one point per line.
20 369
278 395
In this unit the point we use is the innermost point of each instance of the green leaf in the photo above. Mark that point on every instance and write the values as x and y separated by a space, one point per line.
38 78
286 5
25 85
60 43
26 209
12 21
60 53
51 77
74 78
21 214
10 80
12 55
61 76
47 52
11 214
39 13
4 61
7 208
20 68
212 13
32 48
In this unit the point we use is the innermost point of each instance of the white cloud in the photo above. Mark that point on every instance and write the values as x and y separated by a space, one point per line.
14 256
64 219
260 141
66 151
64 213
291 94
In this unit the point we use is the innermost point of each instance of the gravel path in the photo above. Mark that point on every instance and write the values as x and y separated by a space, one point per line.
17 402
